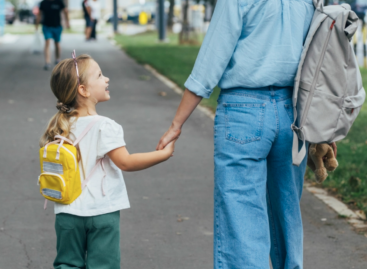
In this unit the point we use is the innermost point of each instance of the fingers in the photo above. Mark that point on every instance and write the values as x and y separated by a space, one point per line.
335 149
159 145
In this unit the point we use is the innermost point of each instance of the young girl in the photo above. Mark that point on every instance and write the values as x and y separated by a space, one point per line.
87 230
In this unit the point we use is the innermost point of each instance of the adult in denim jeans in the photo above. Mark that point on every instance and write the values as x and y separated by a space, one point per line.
252 50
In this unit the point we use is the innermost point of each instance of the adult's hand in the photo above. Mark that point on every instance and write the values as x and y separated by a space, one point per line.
172 134
335 148
188 103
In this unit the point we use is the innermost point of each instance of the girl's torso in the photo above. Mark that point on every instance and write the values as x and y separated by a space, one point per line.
105 136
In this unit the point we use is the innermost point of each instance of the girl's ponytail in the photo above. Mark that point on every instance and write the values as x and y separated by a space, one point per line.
59 124
64 84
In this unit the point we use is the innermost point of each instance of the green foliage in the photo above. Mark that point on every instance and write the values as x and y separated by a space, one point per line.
170 59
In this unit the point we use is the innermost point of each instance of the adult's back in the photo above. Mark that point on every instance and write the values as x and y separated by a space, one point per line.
262 45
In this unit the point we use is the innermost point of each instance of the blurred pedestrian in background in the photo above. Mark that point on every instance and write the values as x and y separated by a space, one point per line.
95 16
50 14
88 21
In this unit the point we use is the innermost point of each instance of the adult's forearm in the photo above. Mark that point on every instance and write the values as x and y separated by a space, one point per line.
66 12
38 20
188 104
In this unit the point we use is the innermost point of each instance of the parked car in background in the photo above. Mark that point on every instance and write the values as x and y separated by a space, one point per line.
9 12
132 13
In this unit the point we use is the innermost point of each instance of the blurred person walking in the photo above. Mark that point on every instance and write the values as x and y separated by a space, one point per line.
50 15
88 21
95 16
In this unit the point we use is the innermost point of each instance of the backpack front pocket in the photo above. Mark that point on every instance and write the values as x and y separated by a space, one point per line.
52 186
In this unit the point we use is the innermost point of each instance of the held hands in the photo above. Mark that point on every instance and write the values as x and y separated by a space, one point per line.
169 149
172 134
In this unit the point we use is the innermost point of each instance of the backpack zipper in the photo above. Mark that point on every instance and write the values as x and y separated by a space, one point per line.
312 90
71 155
53 174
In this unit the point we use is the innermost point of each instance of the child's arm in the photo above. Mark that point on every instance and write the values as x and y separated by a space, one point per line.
139 161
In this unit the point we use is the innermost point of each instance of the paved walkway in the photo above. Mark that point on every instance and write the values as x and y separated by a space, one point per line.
170 223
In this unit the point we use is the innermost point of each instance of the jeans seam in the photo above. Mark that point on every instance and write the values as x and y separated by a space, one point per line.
277 119
217 233
277 254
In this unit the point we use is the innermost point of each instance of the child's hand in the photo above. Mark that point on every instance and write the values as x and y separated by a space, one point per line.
170 148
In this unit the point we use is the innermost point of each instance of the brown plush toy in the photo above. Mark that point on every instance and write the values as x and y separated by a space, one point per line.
321 159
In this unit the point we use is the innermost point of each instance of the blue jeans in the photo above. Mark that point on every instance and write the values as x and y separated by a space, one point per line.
257 189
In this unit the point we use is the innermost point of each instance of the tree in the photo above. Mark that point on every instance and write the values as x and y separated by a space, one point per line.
185 32
171 13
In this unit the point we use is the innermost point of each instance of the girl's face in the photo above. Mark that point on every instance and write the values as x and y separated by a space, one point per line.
97 84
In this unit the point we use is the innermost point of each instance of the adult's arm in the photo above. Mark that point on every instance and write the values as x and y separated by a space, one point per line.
188 104
215 53
66 13
38 18
218 47
89 11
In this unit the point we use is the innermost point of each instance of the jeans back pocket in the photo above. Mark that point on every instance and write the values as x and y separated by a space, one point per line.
244 121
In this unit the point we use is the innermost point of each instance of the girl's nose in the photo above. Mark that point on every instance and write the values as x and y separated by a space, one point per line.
107 79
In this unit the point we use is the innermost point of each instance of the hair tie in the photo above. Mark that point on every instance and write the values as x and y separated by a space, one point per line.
63 108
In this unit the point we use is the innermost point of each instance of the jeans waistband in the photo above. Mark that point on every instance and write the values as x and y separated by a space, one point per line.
265 93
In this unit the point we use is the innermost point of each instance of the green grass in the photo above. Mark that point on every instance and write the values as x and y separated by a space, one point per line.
170 59
176 62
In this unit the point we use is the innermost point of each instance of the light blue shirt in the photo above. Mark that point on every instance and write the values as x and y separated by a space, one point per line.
251 44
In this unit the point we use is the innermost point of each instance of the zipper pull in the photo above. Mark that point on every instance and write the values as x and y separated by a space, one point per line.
332 25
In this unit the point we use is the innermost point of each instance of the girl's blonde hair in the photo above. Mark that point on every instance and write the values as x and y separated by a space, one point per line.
64 85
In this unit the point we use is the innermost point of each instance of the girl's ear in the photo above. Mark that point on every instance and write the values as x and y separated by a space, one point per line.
82 90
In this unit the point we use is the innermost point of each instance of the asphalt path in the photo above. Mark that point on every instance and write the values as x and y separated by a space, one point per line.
169 224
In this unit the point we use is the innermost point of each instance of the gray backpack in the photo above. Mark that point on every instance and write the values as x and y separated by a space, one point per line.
328 92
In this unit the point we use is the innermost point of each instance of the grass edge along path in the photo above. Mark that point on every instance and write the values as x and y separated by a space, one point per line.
348 182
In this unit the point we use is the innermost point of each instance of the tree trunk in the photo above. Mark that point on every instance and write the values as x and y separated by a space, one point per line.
184 35
171 14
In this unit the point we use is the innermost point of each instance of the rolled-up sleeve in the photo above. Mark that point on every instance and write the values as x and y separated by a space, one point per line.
217 49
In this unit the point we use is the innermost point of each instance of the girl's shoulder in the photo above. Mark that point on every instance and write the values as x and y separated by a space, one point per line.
104 124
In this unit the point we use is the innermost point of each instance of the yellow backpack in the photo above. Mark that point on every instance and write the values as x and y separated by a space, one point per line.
60 176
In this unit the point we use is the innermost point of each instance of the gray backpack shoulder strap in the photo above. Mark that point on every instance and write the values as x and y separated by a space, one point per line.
298 155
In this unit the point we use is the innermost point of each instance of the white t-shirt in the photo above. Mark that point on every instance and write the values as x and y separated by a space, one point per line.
95 9
104 136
